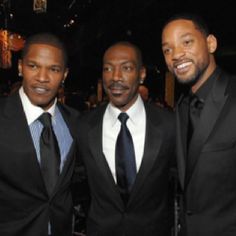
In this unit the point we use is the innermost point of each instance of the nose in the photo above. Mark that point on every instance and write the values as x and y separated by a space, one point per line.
42 75
177 53
117 75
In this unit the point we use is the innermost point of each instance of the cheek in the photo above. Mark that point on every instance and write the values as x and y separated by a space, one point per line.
167 60
106 81
56 82
26 82
202 59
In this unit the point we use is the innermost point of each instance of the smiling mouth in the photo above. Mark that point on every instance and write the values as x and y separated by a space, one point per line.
183 67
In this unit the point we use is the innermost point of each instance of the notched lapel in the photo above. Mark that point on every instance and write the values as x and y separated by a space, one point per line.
67 167
95 145
210 113
181 138
16 123
153 141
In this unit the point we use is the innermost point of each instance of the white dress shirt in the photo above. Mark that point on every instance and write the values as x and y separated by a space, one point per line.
111 127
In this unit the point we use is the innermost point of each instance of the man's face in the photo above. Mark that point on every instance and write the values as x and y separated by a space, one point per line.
187 51
43 70
122 75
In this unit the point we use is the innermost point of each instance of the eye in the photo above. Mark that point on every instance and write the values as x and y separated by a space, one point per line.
32 66
107 68
128 68
166 51
55 69
188 42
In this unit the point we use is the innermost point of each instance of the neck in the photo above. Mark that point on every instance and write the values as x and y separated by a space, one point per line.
204 77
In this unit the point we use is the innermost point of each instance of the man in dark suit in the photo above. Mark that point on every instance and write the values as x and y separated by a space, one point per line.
206 130
28 205
141 209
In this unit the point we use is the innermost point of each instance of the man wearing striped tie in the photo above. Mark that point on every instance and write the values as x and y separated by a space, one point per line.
37 147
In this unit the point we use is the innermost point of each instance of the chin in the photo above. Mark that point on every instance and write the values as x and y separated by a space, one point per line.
187 81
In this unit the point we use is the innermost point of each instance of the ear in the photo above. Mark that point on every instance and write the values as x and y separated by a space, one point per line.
211 43
142 73
65 74
20 67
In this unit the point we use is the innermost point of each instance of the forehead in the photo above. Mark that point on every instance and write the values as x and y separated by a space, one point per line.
180 26
37 48
38 51
120 52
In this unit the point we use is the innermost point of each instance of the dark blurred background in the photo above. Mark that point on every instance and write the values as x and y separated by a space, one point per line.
89 26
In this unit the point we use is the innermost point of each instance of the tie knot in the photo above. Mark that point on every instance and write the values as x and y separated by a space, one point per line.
196 102
45 119
123 117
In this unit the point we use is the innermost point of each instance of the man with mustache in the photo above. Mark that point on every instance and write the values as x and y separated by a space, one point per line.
206 130
129 190
35 197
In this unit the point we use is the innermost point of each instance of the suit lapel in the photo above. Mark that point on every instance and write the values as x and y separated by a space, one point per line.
67 166
71 124
210 113
181 137
95 144
153 141
18 124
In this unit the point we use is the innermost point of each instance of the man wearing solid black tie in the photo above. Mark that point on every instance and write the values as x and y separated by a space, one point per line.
206 130
126 146
36 146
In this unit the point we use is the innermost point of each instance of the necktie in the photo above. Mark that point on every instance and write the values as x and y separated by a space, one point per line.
195 107
125 159
49 153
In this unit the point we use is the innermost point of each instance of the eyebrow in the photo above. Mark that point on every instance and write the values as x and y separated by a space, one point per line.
182 36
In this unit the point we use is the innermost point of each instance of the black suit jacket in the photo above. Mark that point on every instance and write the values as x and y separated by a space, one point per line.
25 207
147 210
210 186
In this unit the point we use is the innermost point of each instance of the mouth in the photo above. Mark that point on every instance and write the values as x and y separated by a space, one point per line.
183 67
117 89
40 90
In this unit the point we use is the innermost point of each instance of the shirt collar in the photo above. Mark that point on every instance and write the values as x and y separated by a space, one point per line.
134 112
33 112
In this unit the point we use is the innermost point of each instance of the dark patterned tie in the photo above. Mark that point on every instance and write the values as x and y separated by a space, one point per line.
125 159
49 153
195 107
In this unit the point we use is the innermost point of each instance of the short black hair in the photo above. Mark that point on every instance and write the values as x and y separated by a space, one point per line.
131 45
197 20
45 38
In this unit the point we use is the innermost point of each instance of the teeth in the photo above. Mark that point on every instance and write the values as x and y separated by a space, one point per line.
183 65
40 90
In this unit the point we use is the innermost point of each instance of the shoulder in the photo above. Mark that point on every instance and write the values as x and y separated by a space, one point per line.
90 114
93 116
161 117
231 82
155 112
69 111
10 104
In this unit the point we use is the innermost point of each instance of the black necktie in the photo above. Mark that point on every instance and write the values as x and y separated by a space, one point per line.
195 107
125 159
49 153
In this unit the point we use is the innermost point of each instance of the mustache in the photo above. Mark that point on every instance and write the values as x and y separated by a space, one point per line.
117 85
